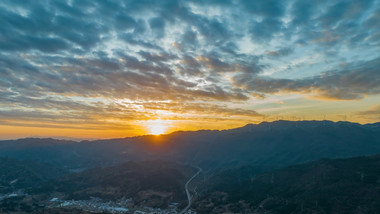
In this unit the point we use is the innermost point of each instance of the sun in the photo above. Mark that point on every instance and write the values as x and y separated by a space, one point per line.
157 127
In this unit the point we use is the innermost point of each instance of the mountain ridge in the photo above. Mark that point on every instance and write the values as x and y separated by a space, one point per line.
269 145
261 124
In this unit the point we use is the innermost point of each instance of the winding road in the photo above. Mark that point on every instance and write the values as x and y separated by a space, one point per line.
187 190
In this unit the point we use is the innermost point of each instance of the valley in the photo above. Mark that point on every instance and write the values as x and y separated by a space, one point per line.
279 167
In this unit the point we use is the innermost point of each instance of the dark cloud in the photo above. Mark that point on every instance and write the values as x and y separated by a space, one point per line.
269 8
157 24
266 29
332 23
158 58
302 12
281 52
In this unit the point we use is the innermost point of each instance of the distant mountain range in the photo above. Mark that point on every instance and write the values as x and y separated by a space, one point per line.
276 167
267 145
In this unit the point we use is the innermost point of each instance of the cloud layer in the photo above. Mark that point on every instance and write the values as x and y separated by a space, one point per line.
102 62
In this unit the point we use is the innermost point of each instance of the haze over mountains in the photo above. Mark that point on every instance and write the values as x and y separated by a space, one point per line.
267 145
245 170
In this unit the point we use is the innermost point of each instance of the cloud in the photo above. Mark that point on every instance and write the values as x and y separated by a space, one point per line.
375 110
270 8
157 24
266 29
281 52
352 82
81 57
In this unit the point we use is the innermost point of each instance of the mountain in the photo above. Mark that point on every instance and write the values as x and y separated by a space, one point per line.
17 174
136 185
266 146
68 154
152 183
324 186
271 167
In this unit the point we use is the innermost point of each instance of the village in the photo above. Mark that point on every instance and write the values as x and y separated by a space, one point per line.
121 206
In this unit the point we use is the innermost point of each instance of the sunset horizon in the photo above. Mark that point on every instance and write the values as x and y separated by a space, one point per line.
166 130
189 106
114 69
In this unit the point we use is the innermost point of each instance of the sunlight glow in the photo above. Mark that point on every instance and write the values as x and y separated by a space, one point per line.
157 127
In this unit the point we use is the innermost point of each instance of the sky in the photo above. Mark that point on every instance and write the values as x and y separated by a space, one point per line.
115 68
